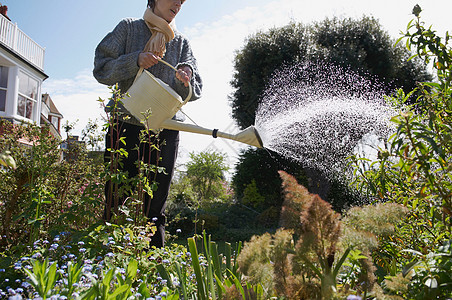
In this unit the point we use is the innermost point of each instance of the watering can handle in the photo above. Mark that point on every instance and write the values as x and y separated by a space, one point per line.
189 84
169 65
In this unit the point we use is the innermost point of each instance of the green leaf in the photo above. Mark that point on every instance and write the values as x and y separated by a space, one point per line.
121 289
51 278
164 274
407 268
340 262
238 285
132 269
197 268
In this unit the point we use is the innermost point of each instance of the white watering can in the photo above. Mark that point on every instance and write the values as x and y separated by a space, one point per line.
151 93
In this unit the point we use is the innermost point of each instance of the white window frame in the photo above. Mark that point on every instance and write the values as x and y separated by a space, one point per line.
27 98
5 88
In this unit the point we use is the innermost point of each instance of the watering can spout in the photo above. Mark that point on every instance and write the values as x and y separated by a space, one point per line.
248 136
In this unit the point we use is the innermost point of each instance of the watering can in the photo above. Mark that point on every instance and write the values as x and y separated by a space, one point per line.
149 93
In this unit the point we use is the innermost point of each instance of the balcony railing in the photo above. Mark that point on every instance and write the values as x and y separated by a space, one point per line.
22 44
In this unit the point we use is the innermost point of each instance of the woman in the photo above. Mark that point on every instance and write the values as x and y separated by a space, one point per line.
136 43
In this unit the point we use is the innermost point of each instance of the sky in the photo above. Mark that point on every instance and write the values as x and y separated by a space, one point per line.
71 30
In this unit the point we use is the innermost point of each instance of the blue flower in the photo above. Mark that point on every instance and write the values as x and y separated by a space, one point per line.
178 230
81 243
353 297
87 268
110 254
25 284
82 250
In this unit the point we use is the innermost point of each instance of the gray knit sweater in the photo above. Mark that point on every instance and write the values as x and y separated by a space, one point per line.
116 59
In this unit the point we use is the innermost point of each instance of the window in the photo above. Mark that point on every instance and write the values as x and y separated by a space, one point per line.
54 121
3 87
28 95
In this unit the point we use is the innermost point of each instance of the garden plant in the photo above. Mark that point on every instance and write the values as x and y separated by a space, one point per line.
55 243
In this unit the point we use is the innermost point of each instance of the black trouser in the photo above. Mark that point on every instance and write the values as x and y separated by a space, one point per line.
165 156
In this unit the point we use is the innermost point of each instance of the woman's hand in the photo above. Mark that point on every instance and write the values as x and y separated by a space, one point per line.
147 60
184 74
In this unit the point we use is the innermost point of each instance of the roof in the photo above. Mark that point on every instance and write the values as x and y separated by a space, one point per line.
53 110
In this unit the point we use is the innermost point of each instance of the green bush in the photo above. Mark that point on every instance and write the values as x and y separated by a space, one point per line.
413 169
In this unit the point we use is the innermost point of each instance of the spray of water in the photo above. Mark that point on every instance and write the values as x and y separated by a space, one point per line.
318 114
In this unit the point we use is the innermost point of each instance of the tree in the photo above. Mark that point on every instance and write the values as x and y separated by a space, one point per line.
262 166
360 45
206 172
365 48
259 58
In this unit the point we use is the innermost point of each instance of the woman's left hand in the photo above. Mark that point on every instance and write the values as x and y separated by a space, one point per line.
184 74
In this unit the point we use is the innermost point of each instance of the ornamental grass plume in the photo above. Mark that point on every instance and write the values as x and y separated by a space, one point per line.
321 230
363 226
282 269
318 228
296 198
302 260
255 262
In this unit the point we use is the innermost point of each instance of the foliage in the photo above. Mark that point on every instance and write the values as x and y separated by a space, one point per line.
413 169
40 192
315 255
251 196
262 166
259 58
120 185
206 173
364 47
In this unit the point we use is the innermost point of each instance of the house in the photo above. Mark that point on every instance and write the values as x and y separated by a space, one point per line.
21 78
50 116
